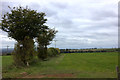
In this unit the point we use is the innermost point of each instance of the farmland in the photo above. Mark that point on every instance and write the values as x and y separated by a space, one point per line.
76 65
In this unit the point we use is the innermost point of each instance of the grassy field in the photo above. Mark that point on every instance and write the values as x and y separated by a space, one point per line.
76 65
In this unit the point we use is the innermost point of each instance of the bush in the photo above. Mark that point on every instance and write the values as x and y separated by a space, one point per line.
18 55
58 50
23 52
52 52
42 53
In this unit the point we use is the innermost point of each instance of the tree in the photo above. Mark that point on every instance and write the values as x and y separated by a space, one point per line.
23 24
44 40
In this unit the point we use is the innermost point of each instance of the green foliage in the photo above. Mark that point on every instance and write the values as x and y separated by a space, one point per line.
24 52
22 22
49 52
42 53
58 50
43 40
52 52
18 55
46 36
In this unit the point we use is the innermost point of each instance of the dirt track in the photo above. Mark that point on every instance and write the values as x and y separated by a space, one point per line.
50 76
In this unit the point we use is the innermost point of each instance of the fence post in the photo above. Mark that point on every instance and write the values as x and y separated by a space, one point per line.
118 73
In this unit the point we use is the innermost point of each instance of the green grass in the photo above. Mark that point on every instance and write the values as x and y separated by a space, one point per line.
81 65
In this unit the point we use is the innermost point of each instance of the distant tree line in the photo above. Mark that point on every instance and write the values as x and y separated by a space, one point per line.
74 50
88 50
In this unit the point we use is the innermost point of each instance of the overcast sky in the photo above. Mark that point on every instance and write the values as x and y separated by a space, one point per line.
80 23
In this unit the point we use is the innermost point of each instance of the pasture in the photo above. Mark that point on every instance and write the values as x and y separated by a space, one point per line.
75 65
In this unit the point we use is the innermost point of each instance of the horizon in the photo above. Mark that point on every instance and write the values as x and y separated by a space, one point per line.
71 48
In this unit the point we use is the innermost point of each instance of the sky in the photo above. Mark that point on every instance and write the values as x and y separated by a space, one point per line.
80 23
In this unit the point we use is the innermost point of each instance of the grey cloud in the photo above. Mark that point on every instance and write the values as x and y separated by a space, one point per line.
80 24
48 10
5 8
59 5
103 14
61 22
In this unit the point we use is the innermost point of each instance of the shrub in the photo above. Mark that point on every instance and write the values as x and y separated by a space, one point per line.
18 55
52 52
23 52
42 53
49 52
58 50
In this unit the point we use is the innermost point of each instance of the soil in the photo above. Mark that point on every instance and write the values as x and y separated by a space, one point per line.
51 76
